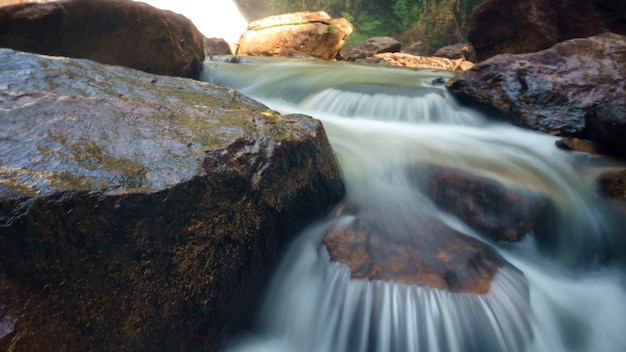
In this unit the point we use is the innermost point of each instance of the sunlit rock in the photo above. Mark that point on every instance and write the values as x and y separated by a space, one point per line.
141 212
116 32
311 33
576 88
424 62
524 26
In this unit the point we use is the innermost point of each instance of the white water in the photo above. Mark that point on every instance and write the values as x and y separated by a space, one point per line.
213 18
568 295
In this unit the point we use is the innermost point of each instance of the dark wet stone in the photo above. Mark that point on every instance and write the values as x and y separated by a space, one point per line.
574 89
525 26
141 212
115 32
500 213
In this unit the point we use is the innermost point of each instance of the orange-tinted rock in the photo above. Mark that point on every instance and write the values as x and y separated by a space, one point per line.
116 32
524 26
577 144
311 33
420 251
425 62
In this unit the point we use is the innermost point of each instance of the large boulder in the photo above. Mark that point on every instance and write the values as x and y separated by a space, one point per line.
311 33
523 26
576 88
420 251
141 212
116 32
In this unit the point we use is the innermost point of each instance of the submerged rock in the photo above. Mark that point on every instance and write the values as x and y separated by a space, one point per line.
524 26
140 212
561 91
311 33
115 32
486 205
612 184
420 251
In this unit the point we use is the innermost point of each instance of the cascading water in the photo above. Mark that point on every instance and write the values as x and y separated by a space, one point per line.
566 295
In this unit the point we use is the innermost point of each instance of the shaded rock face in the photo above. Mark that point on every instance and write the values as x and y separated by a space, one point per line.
116 32
140 212
419 251
372 46
575 88
457 51
486 205
216 46
514 27
311 33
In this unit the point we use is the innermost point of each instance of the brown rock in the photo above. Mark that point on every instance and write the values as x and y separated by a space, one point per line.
457 51
311 33
524 26
116 32
372 46
420 251
142 212
425 62
486 205
612 184
216 46
561 90
576 144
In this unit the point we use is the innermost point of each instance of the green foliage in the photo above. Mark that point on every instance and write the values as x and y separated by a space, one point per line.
435 22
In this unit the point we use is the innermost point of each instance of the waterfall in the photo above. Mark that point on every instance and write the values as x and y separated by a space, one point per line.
566 293
213 18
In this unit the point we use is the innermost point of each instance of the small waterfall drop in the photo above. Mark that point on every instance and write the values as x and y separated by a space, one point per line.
565 292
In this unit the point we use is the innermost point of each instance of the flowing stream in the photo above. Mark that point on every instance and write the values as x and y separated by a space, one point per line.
568 296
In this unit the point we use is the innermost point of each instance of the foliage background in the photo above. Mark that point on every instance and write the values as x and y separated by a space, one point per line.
429 23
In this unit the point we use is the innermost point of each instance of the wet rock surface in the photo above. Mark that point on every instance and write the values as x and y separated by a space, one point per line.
116 32
524 26
140 212
575 88
612 184
498 212
420 251
311 33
